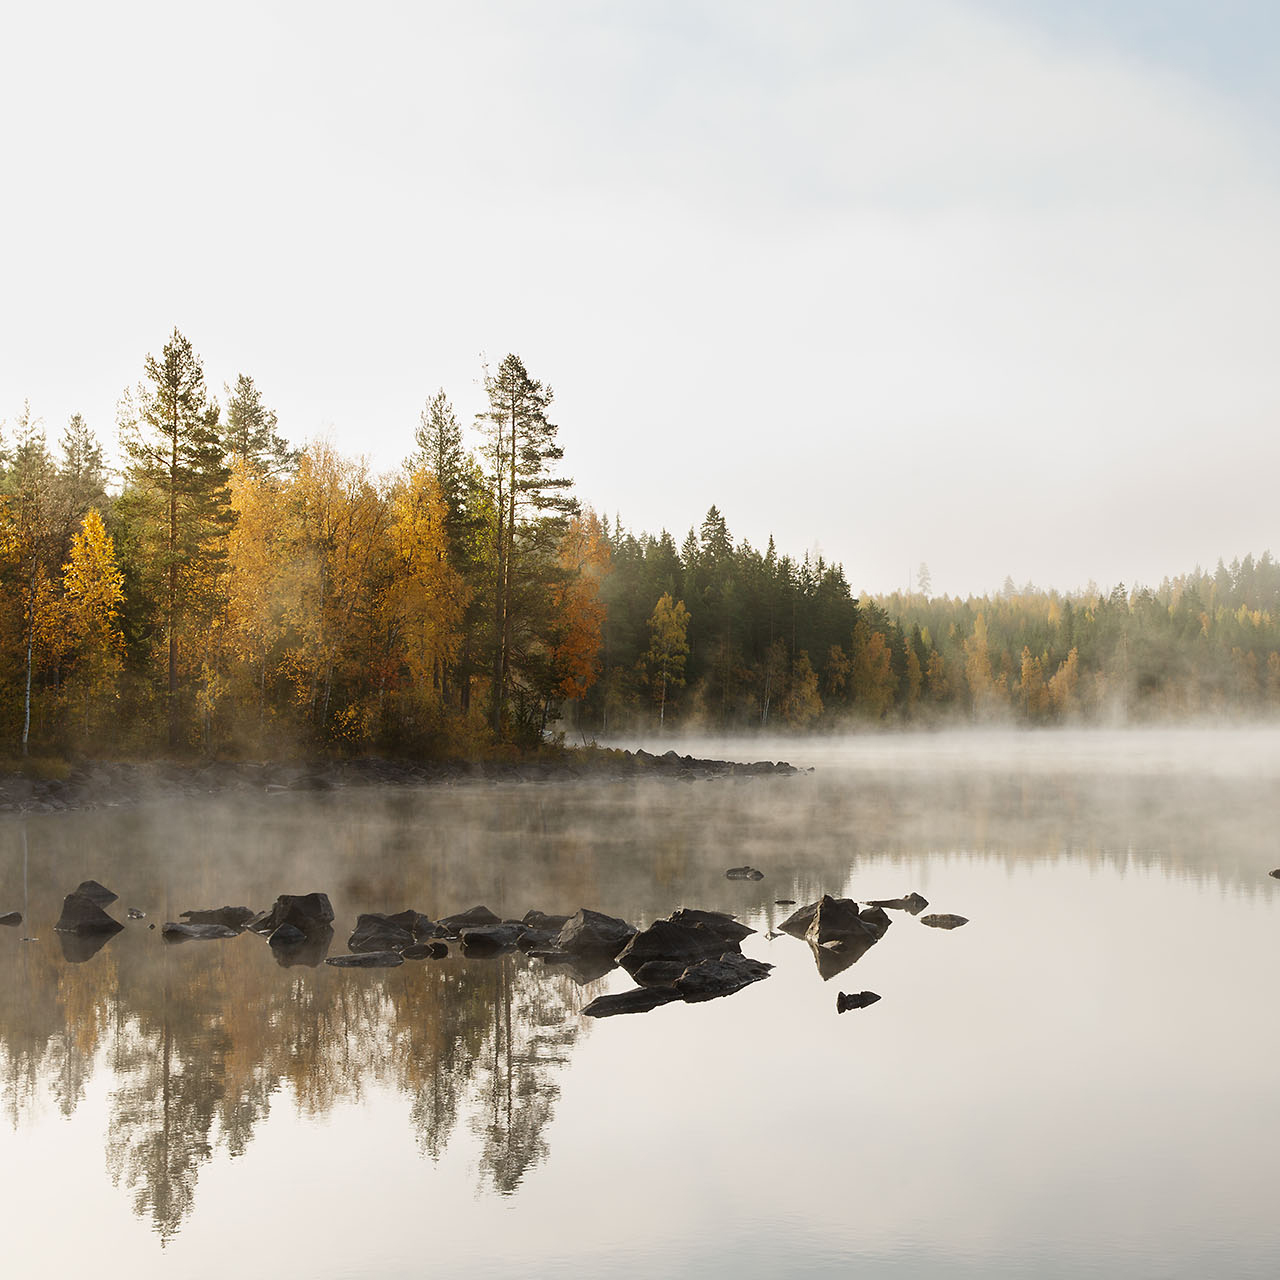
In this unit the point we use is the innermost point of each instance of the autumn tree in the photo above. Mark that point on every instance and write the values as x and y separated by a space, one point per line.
177 468
577 629
663 662
93 591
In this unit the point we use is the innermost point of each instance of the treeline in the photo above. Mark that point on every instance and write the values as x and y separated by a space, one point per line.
227 593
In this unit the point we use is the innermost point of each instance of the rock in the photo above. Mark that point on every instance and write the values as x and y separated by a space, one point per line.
306 912
414 922
367 960
637 1000
944 921
858 1000
230 917
490 940
784 902
743 873
659 973
134 914
540 921
95 892
730 972
669 940
536 939
376 932
475 918
837 920
173 932
11 918
719 922
82 915
286 935
798 922
913 903
876 918
1276 873
593 933
426 951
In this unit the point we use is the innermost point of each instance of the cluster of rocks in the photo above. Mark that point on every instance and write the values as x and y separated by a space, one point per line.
101 784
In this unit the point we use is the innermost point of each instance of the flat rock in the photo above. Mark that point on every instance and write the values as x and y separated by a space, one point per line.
637 1000
944 921
856 1000
231 917
671 940
912 903
728 927
367 960
743 873
730 972
175 932
659 973
11 918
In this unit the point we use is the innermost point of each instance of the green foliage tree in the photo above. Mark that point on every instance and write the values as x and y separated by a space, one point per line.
663 662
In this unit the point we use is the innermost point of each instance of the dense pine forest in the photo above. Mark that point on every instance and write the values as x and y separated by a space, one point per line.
224 593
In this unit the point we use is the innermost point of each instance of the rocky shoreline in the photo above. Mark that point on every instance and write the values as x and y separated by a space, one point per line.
100 784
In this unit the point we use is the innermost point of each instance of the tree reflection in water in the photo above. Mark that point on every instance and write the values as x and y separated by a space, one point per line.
198 1040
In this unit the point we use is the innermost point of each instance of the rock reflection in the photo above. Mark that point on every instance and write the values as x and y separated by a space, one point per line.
200 1045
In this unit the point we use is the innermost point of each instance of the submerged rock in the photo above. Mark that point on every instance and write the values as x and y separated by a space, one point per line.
857 1000
82 915
367 960
230 917
11 918
912 903
185 932
709 979
593 933
743 873
944 921
637 1000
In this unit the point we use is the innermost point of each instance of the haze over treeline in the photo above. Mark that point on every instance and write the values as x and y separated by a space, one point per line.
227 592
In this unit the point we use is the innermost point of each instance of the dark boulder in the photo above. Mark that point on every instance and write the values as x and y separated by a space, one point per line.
186 932
11 918
1276 873
743 873
720 923
669 940
367 960
475 918
426 951
541 920
231 917
286 935
95 892
637 1000
944 921
856 1000
376 932
798 922
536 939
912 903
837 920
307 912
490 940
593 933
82 915
659 973
876 918
730 972
414 922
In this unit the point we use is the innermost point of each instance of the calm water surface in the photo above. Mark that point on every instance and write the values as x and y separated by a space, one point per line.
1080 1082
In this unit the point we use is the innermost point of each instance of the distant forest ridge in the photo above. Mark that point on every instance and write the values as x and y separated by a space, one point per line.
232 594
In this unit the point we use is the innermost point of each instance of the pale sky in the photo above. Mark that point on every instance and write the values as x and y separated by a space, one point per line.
988 284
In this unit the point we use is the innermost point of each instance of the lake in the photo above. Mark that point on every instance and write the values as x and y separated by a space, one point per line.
1078 1082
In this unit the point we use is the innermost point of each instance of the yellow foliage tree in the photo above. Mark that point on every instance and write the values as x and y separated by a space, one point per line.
93 587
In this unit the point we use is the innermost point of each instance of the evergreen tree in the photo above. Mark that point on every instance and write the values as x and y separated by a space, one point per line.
177 464
251 431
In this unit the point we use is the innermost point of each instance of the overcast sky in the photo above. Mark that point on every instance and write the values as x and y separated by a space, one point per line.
987 284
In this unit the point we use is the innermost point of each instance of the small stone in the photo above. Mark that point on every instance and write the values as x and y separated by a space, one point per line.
944 921
743 873
857 1000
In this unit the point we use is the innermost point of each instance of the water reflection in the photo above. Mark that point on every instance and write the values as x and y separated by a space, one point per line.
196 1044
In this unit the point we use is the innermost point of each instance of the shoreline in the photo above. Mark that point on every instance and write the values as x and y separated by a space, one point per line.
100 784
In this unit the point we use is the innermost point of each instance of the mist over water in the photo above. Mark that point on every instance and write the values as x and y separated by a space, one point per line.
1077 1081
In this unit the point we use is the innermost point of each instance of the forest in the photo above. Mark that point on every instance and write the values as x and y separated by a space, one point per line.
224 593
